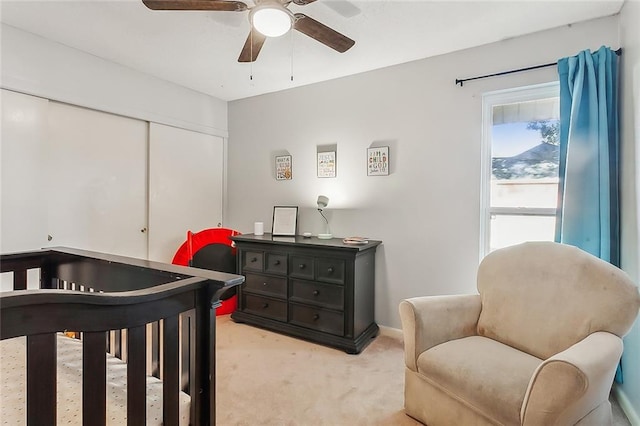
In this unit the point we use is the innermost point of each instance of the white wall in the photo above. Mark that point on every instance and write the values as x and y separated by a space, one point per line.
629 391
36 66
427 210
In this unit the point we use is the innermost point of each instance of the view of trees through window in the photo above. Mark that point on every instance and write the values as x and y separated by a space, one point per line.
540 161
524 172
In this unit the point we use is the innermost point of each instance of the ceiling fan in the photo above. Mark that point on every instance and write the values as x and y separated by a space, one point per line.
268 18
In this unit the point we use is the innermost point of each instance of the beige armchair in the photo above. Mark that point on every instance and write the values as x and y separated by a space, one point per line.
538 345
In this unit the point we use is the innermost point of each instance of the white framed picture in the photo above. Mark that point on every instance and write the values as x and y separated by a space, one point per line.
284 170
378 161
327 164
285 221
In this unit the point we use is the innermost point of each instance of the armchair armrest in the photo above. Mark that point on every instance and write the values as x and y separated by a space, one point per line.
568 385
429 321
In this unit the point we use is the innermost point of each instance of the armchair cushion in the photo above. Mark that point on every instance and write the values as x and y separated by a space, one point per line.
543 310
488 376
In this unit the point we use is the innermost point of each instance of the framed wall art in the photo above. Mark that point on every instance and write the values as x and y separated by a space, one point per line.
285 221
284 169
327 164
378 161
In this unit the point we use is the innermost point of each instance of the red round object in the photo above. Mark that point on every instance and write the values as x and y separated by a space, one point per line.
201 239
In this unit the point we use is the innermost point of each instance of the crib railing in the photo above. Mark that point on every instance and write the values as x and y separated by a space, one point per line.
104 298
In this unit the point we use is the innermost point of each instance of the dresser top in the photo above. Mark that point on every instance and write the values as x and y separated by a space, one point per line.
301 241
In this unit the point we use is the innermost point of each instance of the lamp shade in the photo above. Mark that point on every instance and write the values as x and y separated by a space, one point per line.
271 20
322 201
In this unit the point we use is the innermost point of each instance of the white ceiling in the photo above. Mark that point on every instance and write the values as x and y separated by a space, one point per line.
199 50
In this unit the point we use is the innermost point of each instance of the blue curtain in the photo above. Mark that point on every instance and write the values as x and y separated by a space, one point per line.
588 201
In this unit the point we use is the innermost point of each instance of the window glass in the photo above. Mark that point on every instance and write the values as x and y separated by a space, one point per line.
524 164
521 142
507 230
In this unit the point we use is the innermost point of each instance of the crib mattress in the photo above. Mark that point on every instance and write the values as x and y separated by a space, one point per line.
69 395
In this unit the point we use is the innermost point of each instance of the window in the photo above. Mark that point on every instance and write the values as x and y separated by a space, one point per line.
520 155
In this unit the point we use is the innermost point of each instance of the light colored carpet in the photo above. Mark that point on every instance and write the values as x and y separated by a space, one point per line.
266 378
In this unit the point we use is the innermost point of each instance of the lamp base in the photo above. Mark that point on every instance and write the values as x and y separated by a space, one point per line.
325 236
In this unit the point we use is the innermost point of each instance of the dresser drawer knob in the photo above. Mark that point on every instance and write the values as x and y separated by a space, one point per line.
264 284
254 259
265 306
277 262
302 266
316 317
316 292
330 269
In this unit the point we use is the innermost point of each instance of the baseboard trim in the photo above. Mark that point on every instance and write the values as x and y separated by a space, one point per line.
396 333
625 404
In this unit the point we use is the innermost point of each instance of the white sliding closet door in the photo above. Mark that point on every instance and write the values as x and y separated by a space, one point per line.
96 195
23 214
185 187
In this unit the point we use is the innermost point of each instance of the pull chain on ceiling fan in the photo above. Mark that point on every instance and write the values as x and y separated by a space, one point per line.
268 18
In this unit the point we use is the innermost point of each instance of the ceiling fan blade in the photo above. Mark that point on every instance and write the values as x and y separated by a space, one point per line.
249 53
222 5
322 33
302 2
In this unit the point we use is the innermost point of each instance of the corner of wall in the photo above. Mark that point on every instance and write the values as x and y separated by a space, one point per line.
628 393
627 406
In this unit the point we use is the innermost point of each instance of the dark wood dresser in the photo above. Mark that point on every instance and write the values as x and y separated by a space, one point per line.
318 290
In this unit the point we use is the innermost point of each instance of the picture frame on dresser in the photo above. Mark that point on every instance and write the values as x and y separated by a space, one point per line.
285 221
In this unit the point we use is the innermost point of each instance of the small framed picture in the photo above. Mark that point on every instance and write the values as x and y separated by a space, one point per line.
284 169
285 221
327 164
378 161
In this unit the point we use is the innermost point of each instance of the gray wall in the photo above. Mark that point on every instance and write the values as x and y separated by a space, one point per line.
427 210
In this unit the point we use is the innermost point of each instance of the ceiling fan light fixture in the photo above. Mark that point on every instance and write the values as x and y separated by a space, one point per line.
271 20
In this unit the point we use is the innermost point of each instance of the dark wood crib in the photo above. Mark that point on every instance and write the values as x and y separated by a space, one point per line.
110 302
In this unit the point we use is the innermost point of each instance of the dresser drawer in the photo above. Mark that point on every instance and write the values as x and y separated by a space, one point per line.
330 270
263 284
276 263
252 261
264 306
317 319
301 267
327 295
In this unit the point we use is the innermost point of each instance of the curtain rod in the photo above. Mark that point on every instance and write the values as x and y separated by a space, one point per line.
535 67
